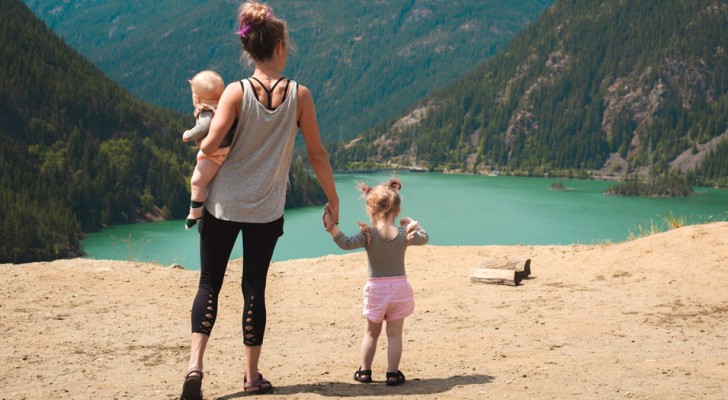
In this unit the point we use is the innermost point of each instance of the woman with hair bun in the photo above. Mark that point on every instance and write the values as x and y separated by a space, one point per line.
388 295
248 192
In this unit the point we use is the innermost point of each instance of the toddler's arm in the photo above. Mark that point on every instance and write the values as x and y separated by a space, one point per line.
347 243
416 235
350 243
202 126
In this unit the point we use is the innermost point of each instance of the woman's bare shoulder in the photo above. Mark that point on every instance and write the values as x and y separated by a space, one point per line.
303 91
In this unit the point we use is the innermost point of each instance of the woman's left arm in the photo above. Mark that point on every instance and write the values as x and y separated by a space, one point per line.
225 115
317 155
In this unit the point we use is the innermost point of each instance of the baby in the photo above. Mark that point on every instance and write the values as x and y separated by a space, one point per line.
207 87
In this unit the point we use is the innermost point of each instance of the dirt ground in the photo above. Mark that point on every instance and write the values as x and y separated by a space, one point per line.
643 319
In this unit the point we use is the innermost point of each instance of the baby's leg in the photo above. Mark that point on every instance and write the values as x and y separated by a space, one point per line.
205 170
201 177
369 344
394 344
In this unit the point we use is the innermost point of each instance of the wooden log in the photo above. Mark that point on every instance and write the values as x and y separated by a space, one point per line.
497 276
516 265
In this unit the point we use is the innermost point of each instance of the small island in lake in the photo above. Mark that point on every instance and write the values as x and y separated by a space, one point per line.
559 186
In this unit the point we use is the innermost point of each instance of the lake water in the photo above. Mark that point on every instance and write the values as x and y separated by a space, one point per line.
454 209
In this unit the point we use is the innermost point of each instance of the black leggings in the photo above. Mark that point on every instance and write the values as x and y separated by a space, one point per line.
217 238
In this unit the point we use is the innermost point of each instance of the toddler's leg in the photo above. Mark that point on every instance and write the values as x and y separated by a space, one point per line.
205 170
369 344
394 344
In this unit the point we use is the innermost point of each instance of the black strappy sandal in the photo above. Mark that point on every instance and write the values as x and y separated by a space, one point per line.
258 386
192 388
397 376
363 375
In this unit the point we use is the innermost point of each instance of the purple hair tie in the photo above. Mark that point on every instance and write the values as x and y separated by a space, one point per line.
244 29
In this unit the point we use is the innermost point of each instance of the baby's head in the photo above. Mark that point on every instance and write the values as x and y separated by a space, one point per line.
382 200
207 87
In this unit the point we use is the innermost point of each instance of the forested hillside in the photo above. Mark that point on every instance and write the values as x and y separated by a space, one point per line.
78 152
364 61
593 86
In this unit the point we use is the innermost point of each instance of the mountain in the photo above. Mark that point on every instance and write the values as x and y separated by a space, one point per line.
364 61
607 87
77 151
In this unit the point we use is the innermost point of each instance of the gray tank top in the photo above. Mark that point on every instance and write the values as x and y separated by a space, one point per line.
251 184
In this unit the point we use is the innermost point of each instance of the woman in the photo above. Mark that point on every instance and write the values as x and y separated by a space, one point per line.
248 193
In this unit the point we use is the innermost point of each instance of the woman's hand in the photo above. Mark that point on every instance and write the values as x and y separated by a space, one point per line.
328 219
333 210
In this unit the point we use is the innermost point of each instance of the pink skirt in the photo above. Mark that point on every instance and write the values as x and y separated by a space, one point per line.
388 299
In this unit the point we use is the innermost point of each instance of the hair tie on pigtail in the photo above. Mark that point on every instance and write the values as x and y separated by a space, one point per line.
395 184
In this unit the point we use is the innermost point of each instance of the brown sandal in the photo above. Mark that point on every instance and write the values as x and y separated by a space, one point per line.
192 388
258 386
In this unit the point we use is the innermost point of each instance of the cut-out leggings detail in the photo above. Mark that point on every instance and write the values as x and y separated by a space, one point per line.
217 238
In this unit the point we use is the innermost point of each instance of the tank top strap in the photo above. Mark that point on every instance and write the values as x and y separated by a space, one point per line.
270 91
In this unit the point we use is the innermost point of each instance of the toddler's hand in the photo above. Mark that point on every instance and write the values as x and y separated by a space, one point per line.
329 223
410 226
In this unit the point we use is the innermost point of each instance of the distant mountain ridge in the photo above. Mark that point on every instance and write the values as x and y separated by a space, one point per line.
364 61
604 87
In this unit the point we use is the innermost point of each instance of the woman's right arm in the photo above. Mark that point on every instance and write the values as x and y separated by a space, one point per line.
225 115
317 155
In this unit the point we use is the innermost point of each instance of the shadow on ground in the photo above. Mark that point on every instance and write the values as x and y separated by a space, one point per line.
411 387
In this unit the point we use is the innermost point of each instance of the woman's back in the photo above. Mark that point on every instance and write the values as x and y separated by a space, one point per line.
251 184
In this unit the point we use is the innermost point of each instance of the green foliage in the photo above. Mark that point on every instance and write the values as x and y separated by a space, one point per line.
669 186
78 152
363 60
305 190
587 79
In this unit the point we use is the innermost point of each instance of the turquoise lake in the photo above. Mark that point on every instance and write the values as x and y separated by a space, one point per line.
454 209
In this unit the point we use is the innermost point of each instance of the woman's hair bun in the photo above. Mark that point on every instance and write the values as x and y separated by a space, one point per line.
254 13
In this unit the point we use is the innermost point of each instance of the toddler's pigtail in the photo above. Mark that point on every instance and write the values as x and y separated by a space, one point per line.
364 189
395 184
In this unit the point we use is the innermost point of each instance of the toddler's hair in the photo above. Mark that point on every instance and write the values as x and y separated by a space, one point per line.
207 86
260 31
383 199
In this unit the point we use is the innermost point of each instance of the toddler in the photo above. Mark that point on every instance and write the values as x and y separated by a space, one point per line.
388 295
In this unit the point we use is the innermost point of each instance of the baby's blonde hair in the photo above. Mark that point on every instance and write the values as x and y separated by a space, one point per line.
207 86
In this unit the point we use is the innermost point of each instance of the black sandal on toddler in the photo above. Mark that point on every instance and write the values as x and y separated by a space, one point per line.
258 386
363 375
395 378
192 388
